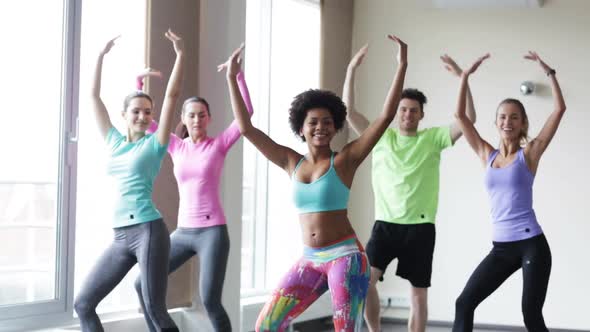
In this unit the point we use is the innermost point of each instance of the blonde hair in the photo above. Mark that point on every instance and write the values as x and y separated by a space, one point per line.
524 132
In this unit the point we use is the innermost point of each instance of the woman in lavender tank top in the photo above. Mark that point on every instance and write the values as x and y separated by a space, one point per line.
518 240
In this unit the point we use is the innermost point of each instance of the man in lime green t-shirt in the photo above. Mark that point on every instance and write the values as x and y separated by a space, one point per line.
405 177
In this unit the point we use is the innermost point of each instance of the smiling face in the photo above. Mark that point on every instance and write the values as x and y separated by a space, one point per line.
196 118
138 114
318 127
511 121
409 114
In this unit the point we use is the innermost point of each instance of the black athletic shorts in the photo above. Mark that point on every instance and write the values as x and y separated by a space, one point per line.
412 245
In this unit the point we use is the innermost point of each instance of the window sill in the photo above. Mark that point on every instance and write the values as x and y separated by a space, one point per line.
119 321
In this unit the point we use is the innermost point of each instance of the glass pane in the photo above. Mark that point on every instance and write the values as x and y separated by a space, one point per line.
30 127
291 74
252 69
94 204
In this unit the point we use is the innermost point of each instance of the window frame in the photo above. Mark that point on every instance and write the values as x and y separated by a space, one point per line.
261 119
261 97
42 313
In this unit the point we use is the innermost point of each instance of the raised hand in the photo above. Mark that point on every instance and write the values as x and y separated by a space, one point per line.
402 55
537 146
176 41
139 79
233 63
533 56
109 45
357 59
173 89
476 64
451 65
149 72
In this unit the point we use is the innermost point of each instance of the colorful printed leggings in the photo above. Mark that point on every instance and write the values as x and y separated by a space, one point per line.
342 268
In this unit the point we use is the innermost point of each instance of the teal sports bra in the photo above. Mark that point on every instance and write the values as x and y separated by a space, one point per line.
327 193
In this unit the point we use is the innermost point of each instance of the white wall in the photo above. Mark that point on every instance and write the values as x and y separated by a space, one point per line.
559 31
222 29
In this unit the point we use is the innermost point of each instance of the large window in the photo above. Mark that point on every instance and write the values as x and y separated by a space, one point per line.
48 51
37 154
95 191
282 60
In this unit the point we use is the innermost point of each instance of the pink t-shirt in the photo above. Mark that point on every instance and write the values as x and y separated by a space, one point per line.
198 167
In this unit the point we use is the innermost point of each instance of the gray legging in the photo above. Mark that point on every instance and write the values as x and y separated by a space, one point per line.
211 244
147 244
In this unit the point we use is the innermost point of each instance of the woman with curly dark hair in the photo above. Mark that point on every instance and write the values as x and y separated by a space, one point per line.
332 258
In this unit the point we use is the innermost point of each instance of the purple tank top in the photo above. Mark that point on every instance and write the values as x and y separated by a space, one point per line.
511 196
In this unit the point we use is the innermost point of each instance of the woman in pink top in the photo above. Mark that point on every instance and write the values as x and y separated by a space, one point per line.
198 162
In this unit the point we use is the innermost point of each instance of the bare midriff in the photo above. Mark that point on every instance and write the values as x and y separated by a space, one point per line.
322 229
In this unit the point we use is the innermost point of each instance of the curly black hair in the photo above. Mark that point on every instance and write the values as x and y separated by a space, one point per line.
415 94
316 98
